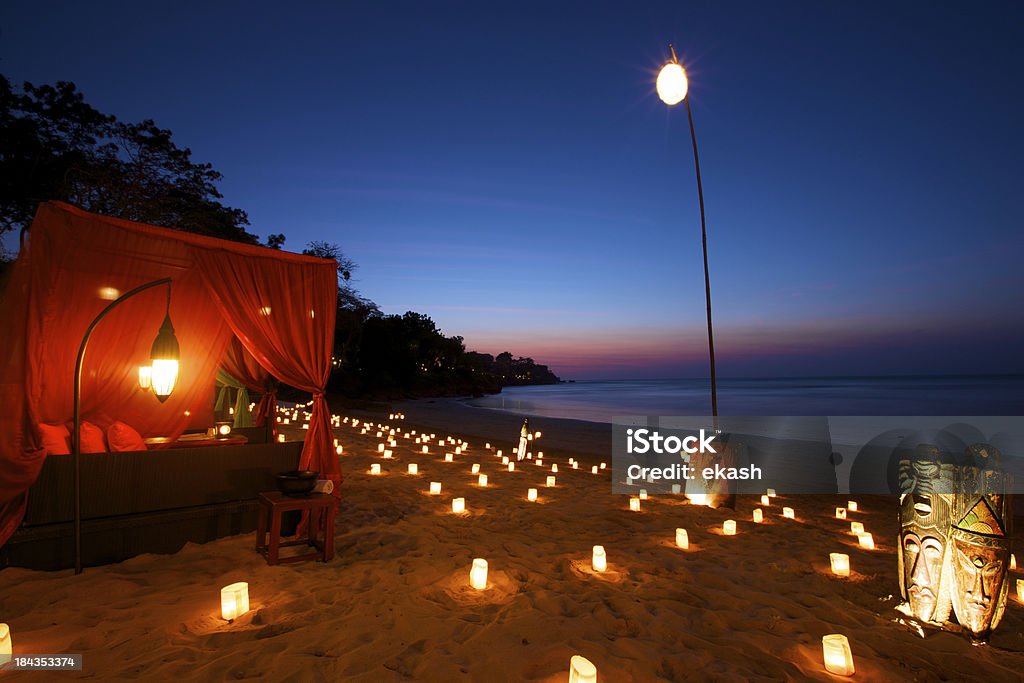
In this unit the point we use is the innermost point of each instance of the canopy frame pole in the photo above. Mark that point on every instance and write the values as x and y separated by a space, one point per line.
76 441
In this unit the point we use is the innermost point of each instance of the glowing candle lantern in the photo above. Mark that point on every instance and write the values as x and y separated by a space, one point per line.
387 453
582 670
836 652
482 480
593 470
536 435
476 468
866 541
280 438
375 468
531 495
554 467
840 513
511 467
380 448
440 443
682 539
499 453
575 465
478 574
145 376
458 451
758 516
771 493
488 446
604 466
729 527
234 600
599 560
765 500
851 505
458 505
1020 590
339 450
538 462
435 488
788 513
634 505
840 563
504 460
643 494
551 482
6 645
1013 561
414 468
426 450
856 527
448 457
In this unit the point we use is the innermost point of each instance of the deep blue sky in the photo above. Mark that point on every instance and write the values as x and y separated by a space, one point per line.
508 169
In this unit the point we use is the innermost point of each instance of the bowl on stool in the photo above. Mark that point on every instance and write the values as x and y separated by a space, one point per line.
296 483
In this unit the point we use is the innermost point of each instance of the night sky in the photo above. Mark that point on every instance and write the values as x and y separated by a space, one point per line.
508 169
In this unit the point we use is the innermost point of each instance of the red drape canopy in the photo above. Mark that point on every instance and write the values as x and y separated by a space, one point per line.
280 306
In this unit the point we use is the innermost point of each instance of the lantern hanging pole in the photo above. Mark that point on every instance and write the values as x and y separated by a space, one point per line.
76 442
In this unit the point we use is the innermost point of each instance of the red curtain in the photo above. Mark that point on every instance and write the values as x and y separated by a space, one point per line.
75 263
283 314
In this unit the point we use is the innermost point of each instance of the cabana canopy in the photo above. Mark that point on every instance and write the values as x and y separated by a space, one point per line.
277 307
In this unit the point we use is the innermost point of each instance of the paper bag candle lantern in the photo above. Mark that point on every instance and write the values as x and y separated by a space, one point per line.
551 481
435 488
856 527
482 480
788 513
758 516
866 541
682 539
582 670
375 468
634 504
458 505
599 559
837 655
6 645
531 495
478 574
840 564
414 468
851 505
840 513
729 527
234 600
765 500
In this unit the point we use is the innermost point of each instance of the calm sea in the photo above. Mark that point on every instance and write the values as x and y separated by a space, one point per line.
601 401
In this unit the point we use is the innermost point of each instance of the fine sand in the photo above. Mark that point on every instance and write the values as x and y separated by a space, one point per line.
395 603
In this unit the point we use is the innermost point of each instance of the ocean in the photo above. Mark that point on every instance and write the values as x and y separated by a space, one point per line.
601 401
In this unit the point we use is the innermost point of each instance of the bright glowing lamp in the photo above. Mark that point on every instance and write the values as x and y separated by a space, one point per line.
840 563
672 84
866 541
856 527
234 600
478 574
765 500
551 481
634 505
435 488
280 438
682 539
145 376
836 652
604 465
582 670
851 505
339 450
6 646
531 495
788 513
482 480
375 468
758 516
840 513
165 354
414 468
729 527
223 428
458 505
599 560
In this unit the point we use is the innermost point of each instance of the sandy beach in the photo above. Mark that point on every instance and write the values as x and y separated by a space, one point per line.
395 602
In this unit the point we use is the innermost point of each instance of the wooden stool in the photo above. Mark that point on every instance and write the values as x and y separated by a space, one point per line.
321 508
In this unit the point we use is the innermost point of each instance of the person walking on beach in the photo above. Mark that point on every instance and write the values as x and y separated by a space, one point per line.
523 434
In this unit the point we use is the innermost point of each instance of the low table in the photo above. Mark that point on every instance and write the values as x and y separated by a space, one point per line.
321 508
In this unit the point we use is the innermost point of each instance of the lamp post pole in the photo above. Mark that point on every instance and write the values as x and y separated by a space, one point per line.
673 87
76 441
